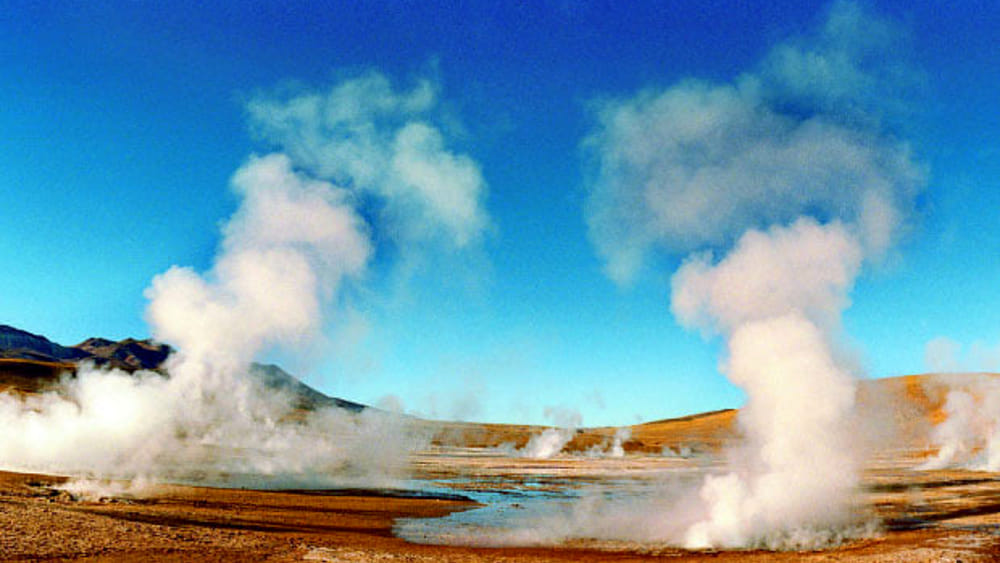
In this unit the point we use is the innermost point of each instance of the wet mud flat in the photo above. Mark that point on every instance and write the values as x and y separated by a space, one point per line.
925 515
951 515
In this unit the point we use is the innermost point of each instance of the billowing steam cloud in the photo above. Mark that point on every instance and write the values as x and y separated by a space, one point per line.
551 441
365 135
297 236
285 251
969 436
781 184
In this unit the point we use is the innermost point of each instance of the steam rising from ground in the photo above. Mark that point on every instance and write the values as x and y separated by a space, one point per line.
551 441
780 187
969 436
295 240
547 444
783 183
617 448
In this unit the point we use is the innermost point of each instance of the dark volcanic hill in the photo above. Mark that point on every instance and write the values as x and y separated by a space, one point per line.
276 378
34 357
20 344
129 354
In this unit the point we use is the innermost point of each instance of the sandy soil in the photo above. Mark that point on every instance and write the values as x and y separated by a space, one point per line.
927 516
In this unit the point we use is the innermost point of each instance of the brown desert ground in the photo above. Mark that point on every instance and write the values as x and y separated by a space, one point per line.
947 515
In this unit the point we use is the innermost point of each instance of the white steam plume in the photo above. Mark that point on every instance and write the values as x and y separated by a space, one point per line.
618 443
364 134
616 449
969 436
783 183
285 251
700 163
955 433
547 444
551 441
798 397
296 238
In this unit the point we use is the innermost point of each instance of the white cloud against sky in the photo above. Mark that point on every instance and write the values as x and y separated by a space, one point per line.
593 143
376 140
694 165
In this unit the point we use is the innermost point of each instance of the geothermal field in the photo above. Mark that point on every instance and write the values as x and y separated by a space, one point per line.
507 212
300 487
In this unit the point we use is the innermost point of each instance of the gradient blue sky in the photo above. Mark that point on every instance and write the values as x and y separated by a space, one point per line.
122 122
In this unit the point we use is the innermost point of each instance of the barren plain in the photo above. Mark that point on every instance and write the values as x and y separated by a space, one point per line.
471 498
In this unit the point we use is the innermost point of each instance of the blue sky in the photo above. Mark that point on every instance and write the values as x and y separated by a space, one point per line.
121 124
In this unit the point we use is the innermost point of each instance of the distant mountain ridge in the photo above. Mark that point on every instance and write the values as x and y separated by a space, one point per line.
129 354
21 344
133 355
